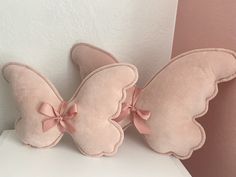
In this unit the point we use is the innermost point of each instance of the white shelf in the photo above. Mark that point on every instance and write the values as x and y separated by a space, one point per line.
134 159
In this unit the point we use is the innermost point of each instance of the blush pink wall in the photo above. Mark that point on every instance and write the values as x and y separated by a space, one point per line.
211 23
205 23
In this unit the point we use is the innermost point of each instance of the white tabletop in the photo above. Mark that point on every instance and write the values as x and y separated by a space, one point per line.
134 159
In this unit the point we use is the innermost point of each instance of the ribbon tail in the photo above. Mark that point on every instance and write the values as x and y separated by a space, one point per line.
62 107
69 127
141 125
136 93
48 124
144 114
73 110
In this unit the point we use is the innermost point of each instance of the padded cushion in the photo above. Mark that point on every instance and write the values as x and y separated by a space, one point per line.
88 58
175 96
98 100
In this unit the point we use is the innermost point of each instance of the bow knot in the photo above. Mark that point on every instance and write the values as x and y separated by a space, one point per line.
138 116
59 117
132 108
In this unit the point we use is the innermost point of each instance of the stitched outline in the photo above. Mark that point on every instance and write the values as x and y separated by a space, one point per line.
218 81
128 123
210 97
133 68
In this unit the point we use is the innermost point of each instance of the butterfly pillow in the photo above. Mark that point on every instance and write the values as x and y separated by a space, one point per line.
87 116
165 109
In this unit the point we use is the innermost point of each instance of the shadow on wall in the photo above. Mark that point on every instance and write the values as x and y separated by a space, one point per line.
202 24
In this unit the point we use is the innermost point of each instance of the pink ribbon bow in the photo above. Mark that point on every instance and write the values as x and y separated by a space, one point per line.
138 116
58 117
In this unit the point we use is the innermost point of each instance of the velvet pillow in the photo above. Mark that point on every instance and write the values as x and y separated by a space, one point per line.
87 116
165 109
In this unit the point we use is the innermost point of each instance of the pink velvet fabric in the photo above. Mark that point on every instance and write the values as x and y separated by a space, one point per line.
88 58
179 94
98 99
175 96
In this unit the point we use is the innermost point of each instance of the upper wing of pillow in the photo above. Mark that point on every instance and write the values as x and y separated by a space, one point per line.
179 94
30 90
99 100
88 58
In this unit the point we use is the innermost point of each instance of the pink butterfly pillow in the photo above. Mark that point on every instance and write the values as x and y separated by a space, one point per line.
87 116
165 109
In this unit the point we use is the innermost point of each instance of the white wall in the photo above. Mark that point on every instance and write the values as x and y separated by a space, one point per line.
40 33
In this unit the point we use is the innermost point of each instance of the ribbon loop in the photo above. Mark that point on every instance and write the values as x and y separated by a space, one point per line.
138 116
59 117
